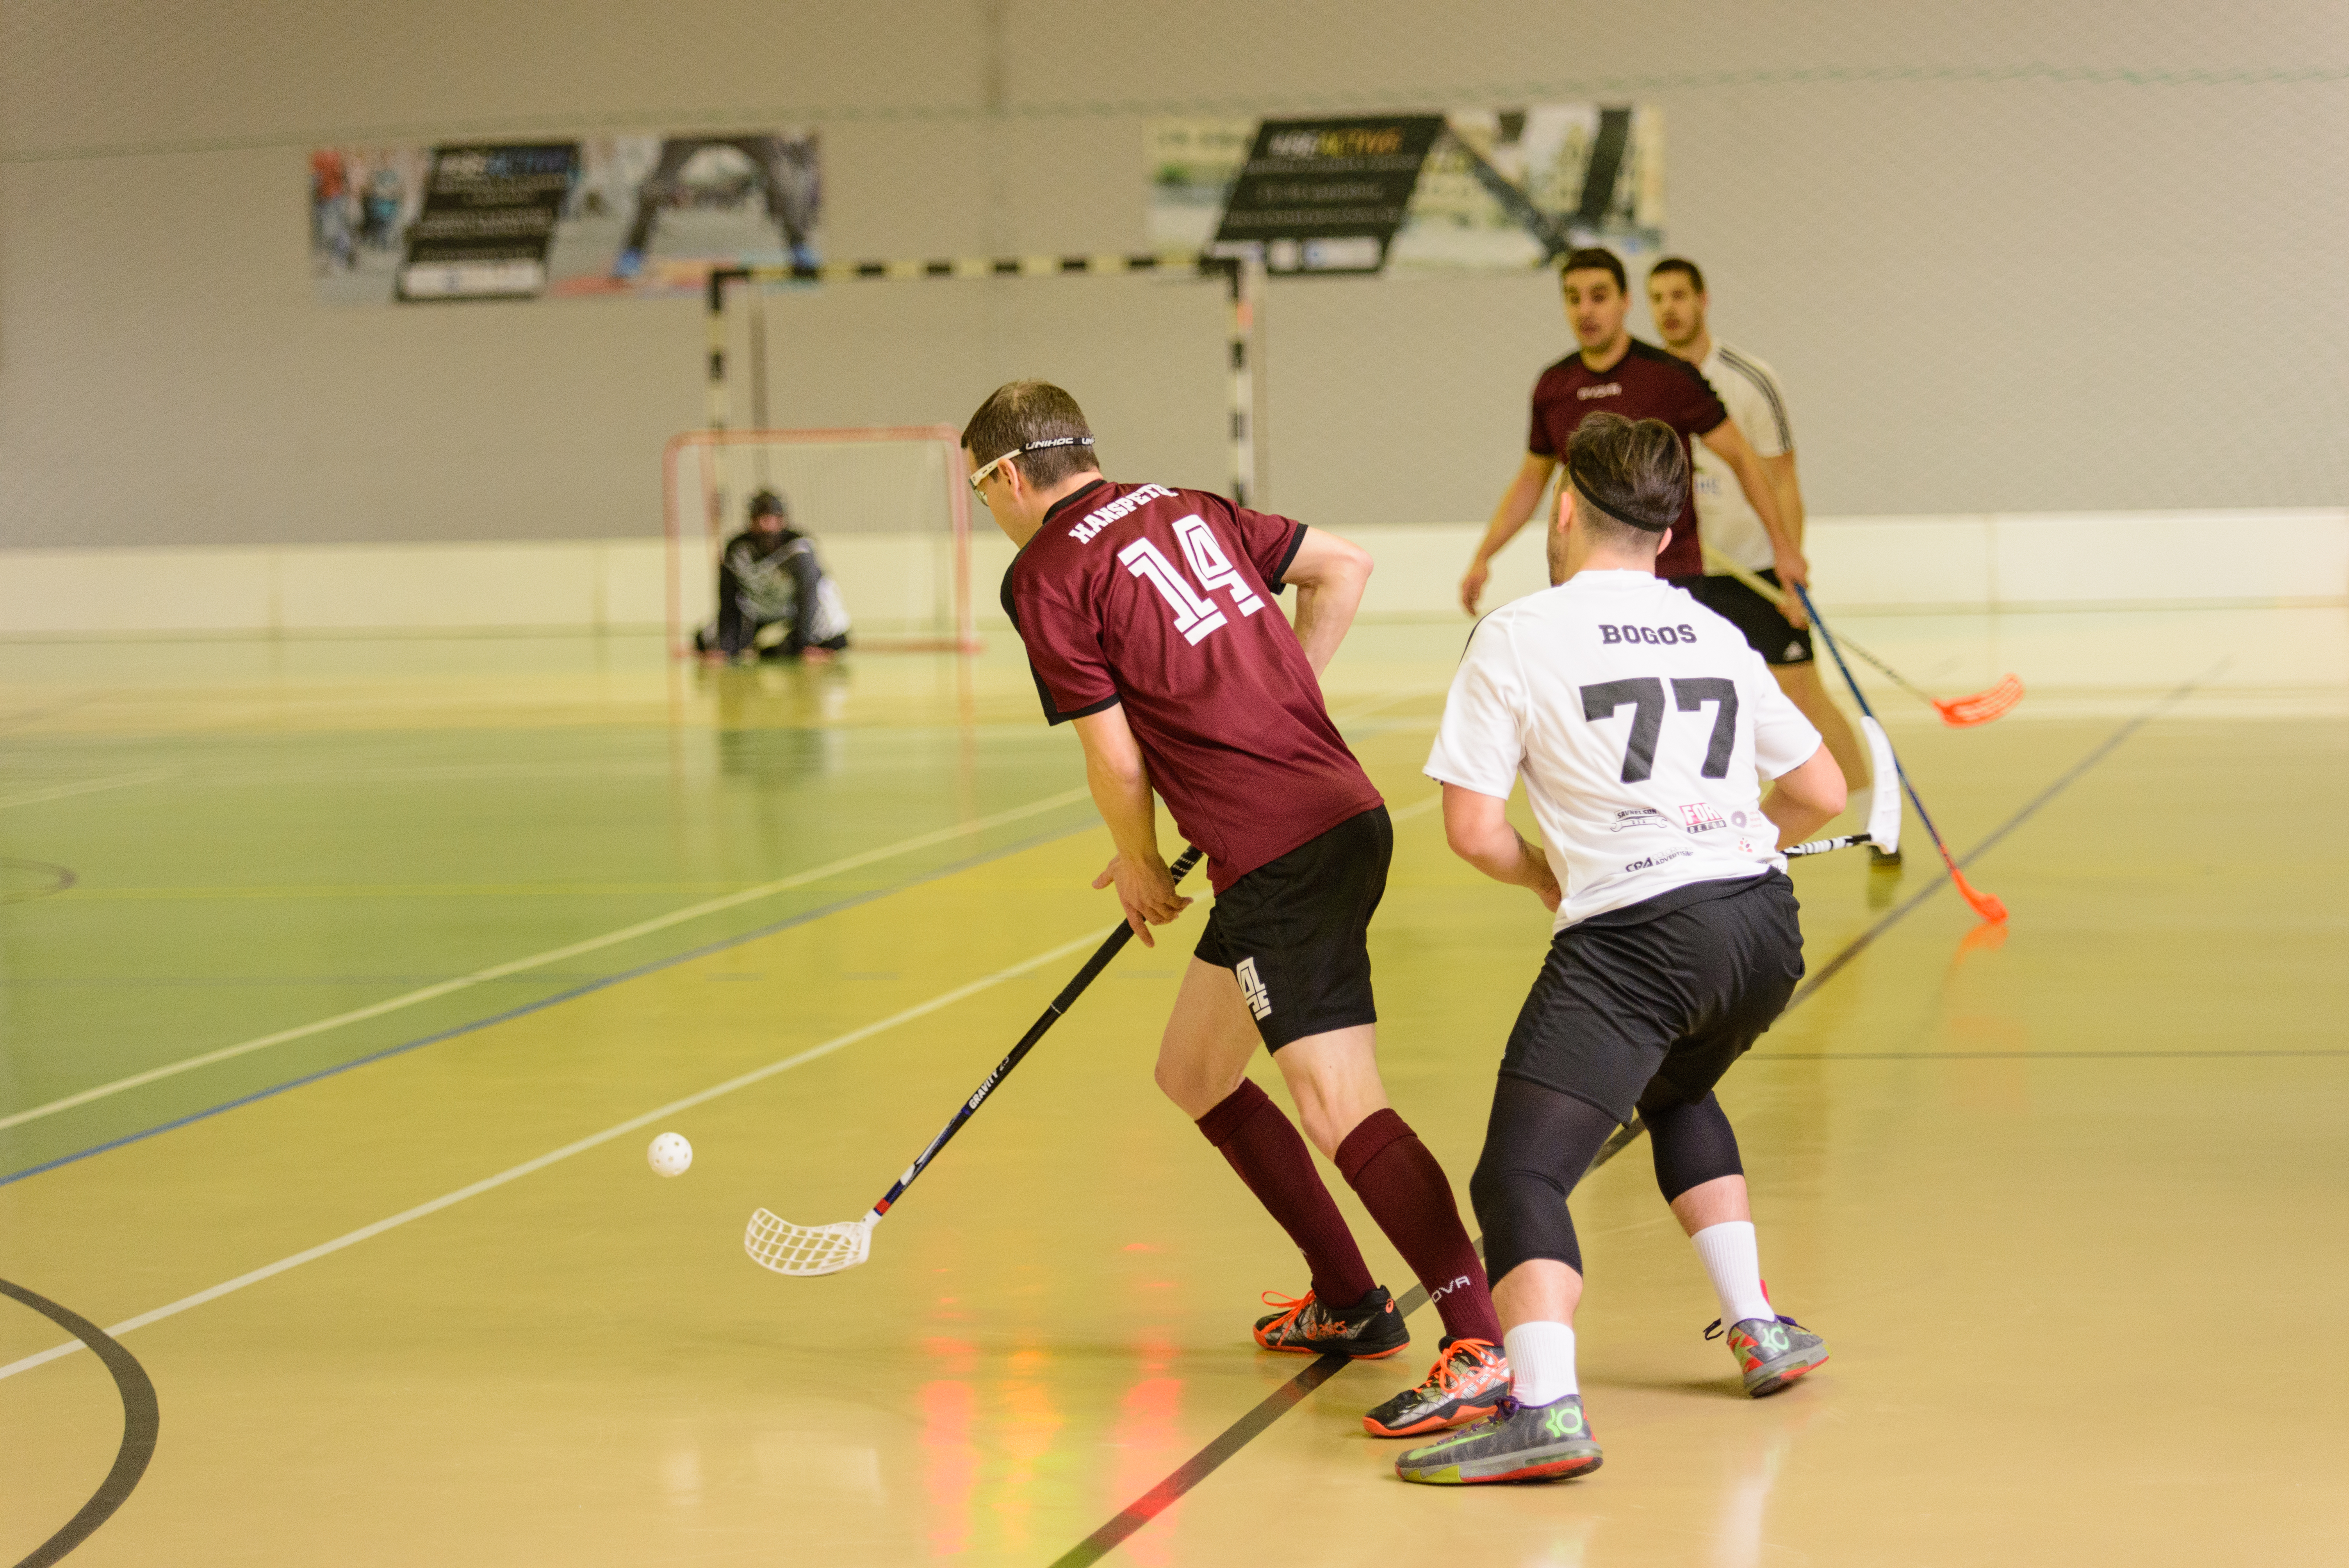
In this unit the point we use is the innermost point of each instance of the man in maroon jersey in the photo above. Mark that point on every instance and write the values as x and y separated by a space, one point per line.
1616 372
1148 616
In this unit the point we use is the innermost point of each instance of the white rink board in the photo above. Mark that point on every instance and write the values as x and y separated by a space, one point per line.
1913 563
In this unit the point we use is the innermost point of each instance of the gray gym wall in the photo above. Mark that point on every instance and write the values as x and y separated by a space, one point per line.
2007 256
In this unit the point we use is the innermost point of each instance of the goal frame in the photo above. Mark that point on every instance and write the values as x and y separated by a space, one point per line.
702 446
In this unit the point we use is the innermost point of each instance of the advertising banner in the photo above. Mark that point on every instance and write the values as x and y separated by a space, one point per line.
1471 188
601 215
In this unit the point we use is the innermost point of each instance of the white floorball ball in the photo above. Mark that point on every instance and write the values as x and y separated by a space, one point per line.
669 1155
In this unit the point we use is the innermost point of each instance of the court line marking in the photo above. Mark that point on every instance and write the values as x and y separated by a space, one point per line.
579 1146
2037 1056
540 960
554 999
142 1419
1281 1400
637 1123
520 965
87 787
2064 782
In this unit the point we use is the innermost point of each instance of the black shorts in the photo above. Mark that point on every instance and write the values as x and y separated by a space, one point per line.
1764 628
1296 931
1645 1007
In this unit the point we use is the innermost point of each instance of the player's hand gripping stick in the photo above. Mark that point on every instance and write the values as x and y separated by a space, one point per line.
1985 905
776 1244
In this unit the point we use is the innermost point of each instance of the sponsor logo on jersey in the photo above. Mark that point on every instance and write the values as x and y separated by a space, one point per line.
1683 633
1123 506
1252 991
1737 818
1652 862
1604 389
1701 818
1636 817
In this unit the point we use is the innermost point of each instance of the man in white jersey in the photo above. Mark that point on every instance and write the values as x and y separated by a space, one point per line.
1639 720
1727 523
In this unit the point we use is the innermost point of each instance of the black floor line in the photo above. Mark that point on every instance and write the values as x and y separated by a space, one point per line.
141 1418
551 999
2104 748
1289 1394
59 879
2031 1055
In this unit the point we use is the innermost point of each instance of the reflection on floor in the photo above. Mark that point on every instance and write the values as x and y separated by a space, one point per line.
363 946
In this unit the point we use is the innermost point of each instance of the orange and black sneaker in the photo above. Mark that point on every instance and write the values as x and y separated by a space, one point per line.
1468 1381
1366 1331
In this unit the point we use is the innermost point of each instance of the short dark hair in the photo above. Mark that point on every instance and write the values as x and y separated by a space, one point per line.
1022 415
1594 259
1630 481
769 503
1679 265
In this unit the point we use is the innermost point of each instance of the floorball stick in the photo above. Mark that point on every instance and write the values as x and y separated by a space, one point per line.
1985 905
776 1244
1960 711
1828 846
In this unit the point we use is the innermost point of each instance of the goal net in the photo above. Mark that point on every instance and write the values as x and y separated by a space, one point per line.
886 507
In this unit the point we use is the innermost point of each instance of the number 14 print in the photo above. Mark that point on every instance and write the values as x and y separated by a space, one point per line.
1196 613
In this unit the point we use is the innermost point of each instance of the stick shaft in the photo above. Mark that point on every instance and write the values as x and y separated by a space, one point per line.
1858 696
1778 597
1109 949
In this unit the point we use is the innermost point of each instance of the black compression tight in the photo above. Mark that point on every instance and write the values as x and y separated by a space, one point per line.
1693 1144
1540 1143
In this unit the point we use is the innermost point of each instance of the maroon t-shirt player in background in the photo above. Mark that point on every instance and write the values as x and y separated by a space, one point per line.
1152 619
1614 371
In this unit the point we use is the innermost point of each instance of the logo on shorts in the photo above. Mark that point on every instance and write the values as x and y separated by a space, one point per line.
1796 653
1701 818
1259 1000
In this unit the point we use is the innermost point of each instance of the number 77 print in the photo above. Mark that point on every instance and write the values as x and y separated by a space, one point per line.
1196 613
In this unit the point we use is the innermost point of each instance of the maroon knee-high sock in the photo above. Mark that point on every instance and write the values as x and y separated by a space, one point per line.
1264 1147
1400 1183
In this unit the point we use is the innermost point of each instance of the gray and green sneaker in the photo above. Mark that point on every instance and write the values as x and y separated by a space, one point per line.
1769 1354
1516 1443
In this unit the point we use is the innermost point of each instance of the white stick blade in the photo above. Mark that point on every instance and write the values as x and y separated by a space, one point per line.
806 1250
1884 799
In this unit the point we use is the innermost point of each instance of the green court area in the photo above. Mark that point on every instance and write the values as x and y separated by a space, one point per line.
207 845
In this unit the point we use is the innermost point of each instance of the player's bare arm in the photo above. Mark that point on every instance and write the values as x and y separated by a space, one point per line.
1120 781
1477 827
1786 490
1805 798
1518 504
1330 574
1729 443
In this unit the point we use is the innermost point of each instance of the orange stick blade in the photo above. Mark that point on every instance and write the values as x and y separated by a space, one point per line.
1983 706
1984 904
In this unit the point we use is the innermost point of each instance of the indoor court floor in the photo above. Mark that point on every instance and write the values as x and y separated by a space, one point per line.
343 983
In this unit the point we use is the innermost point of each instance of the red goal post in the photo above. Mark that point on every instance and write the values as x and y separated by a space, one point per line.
886 506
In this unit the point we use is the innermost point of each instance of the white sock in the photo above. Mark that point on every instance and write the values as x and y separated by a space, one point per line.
1734 1262
1541 1362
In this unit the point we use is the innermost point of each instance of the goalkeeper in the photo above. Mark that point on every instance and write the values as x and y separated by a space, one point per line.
770 577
